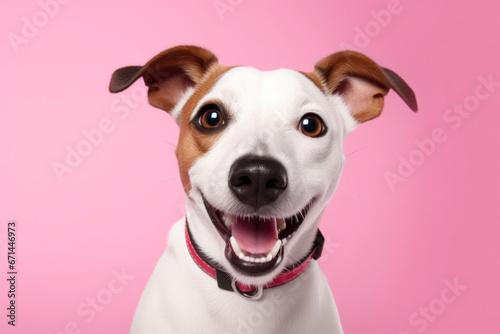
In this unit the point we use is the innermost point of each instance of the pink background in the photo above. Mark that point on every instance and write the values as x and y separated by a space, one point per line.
390 251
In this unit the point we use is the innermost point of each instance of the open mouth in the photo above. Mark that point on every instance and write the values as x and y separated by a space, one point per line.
254 244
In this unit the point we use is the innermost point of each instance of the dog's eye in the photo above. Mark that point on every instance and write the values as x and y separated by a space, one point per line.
211 117
312 125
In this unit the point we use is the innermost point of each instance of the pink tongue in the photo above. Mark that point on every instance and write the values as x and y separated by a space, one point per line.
254 235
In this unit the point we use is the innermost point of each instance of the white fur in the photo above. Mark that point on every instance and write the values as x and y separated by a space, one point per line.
180 298
265 109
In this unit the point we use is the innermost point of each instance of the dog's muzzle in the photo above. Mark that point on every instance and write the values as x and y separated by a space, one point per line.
255 237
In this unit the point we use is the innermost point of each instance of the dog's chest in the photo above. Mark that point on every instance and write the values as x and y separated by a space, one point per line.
181 298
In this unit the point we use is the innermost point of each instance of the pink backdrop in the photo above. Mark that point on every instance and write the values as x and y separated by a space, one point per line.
412 233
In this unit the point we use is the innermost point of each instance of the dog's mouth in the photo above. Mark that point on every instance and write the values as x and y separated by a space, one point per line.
255 244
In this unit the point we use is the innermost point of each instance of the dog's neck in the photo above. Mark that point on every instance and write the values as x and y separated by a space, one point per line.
224 280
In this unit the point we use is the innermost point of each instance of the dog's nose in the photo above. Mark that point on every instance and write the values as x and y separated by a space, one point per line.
257 181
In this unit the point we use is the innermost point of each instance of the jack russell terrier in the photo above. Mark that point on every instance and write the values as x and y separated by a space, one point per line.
260 155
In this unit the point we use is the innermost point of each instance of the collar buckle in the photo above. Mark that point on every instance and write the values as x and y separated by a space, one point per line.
254 295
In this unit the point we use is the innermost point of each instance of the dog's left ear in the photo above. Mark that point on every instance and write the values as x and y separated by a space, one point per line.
362 83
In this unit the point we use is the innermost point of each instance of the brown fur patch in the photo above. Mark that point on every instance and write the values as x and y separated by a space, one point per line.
172 71
192 143
337 68
316 80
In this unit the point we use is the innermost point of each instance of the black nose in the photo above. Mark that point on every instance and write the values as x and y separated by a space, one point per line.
257 181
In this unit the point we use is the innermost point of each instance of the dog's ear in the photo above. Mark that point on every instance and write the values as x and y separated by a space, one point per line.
362 83
168 75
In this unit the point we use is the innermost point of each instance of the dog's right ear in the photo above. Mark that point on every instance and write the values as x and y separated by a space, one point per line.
168 75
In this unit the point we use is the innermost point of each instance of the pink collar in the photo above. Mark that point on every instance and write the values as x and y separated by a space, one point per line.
225 282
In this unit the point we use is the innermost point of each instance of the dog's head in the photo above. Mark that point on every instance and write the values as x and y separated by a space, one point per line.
260 152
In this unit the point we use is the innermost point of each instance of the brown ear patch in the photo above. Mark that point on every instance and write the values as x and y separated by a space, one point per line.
365 100
123 77
362 83
166 94
402 88
168 74
193 144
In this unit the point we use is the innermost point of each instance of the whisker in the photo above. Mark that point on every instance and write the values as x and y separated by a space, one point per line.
355 151
344 189
169 143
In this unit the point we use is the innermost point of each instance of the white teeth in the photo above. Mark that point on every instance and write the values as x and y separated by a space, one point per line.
228 220
254 258
275 249
236 246
281 224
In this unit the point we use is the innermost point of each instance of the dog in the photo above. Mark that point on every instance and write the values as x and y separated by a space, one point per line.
260 156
